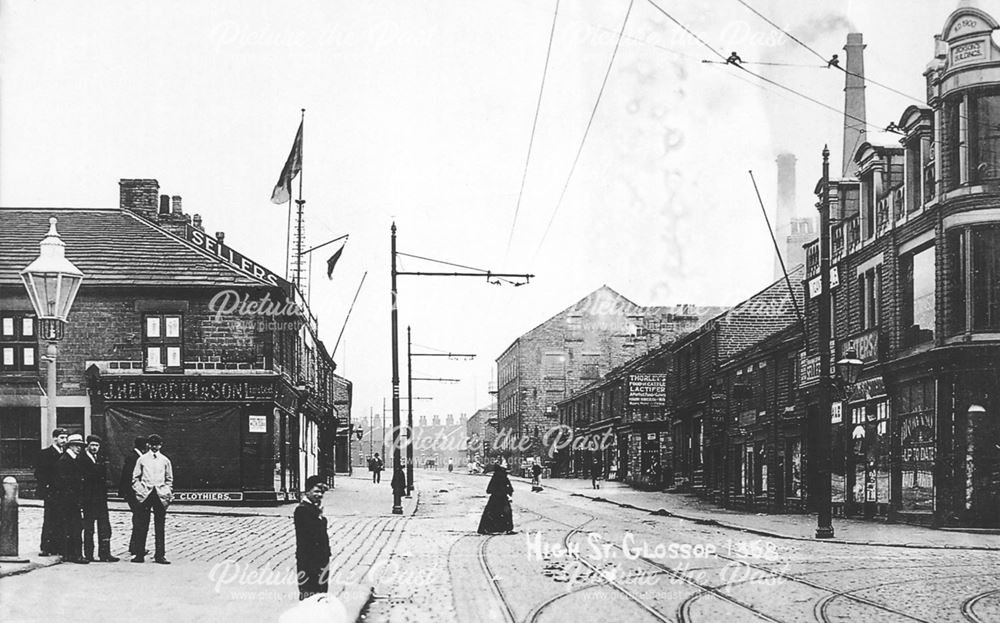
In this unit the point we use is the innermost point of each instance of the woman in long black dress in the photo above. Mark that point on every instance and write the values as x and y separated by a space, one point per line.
497 516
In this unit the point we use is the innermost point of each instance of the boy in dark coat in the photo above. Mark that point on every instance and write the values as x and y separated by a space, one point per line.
312 543
67 491
95 502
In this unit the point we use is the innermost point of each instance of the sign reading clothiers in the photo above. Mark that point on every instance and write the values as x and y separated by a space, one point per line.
647 389
200 389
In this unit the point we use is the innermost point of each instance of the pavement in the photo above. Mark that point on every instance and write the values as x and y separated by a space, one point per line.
226 563
690 507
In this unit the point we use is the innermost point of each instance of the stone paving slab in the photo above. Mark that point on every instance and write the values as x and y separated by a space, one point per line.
784 526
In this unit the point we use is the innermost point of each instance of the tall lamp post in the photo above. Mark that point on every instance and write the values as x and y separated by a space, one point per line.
52 282
847 369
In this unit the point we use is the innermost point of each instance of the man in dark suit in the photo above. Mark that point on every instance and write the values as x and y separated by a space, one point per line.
67 491
44 473
312 543
95 502
128 494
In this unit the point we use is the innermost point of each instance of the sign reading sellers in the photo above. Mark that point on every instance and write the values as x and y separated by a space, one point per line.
647 389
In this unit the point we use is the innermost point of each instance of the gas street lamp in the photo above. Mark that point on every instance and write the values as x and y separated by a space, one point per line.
849 367
52 282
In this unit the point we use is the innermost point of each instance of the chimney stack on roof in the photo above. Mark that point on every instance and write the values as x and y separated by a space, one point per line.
175 203
164 204
220 236
197 222
139 196
855 128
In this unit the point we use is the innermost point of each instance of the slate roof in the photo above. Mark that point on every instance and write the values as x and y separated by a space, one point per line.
112 247
762 315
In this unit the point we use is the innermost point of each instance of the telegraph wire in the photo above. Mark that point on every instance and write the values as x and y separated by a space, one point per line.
534 125
586 131
790 35
687 30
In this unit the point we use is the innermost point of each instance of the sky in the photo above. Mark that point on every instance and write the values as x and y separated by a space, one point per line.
420 112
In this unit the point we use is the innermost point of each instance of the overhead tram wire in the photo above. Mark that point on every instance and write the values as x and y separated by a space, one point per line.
586 131
827 63
756 75
534 126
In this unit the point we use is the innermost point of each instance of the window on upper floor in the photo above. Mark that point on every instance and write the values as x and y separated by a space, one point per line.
869 288
973 279
18 342
590 368
554 365
850 200
972 135
919 173
162 342
868 201
917 297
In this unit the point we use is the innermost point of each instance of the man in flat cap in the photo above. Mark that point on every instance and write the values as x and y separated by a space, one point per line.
128 494
95 502
153 483
67 490
312 543
45 471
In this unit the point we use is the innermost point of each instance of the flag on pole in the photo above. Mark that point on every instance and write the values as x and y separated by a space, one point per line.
283 189
332 262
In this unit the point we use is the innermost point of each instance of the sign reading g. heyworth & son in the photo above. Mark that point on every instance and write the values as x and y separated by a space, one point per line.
199 389
647 389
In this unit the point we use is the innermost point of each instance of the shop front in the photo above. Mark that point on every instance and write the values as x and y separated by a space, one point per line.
230 440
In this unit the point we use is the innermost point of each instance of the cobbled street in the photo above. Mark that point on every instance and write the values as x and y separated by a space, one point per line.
572 559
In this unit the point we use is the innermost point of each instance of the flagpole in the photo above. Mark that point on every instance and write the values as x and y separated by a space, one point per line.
348 314
301 203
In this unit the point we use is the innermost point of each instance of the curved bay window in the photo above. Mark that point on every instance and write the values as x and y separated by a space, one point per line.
972 136
974 279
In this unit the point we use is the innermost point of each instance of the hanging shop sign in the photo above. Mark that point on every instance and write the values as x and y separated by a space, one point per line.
192 389
866 389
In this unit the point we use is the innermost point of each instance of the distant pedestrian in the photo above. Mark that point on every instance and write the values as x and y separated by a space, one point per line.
451 464
153 483
595 473
377 467
398 483
95 502
312 543
536 476
497 516
44 473
67 485
128 494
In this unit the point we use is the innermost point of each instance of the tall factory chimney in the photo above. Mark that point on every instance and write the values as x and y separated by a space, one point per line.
786 208
854 101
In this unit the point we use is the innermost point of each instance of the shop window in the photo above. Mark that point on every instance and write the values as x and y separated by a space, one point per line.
793 468
18 343
163 340
869 286
915 410
697 443
20 434
974 279
917 301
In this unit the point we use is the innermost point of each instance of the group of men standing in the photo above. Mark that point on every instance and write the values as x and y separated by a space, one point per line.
72 479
